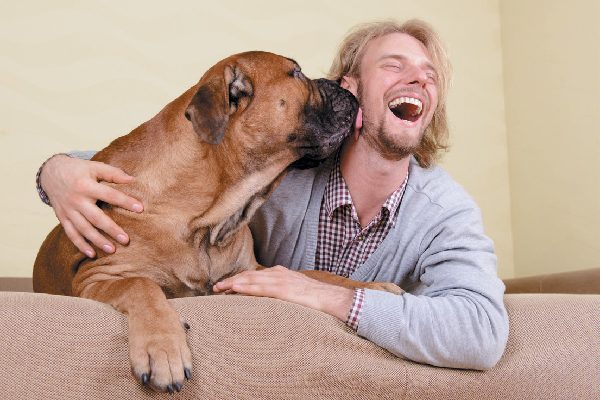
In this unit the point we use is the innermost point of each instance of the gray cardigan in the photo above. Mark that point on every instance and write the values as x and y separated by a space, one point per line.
453 313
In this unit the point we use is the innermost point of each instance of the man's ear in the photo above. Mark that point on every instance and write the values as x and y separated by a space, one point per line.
350 83
216 99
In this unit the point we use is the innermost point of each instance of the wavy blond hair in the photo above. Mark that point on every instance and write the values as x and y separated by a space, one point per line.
351 51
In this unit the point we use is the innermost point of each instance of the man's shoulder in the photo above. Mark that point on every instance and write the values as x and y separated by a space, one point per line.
296 190
297 182
436 186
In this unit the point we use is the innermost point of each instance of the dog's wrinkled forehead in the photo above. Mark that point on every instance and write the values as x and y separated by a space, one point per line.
228 88
270 69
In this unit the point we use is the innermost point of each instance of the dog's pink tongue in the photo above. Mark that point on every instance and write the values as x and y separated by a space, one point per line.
358 122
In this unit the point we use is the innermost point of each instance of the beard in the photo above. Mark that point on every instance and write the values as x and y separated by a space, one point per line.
391 146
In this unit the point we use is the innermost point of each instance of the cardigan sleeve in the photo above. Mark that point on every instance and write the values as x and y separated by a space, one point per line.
456 317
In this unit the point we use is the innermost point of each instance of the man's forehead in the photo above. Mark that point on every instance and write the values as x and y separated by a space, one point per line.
398 45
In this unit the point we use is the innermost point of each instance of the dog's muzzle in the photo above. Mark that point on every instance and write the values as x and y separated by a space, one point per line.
327 124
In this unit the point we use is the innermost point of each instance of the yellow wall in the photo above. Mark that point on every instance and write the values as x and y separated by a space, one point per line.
552 91
74 75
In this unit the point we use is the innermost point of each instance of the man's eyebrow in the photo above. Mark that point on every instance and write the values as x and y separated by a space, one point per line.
400 57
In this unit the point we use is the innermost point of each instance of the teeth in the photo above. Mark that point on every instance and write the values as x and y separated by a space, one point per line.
396 102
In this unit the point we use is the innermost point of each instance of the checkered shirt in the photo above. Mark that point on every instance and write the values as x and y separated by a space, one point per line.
342 244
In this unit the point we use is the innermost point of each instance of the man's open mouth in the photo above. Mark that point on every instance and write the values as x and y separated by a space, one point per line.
406 108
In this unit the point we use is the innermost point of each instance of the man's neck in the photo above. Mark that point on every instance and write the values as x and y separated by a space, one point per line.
370 178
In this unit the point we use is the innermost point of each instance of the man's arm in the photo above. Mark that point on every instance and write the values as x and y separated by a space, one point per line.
71 185
281 283
455 318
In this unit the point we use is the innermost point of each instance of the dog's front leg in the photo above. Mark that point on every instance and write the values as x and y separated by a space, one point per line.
158 349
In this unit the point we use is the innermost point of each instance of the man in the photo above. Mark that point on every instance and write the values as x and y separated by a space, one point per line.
377 211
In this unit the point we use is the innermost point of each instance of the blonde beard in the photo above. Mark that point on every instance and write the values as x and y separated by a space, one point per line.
382 141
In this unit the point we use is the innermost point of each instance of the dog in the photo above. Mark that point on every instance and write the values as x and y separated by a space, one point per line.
202 167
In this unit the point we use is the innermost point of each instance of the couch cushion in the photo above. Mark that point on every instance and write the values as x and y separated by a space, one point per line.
251 348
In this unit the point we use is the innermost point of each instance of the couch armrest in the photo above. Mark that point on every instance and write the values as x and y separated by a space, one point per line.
586 281
252 348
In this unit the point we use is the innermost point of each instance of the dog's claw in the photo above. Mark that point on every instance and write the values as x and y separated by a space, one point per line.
178 387
188 373
170 389
186 326
145 379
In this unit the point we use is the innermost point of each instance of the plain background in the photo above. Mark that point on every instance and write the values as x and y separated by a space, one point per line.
525 144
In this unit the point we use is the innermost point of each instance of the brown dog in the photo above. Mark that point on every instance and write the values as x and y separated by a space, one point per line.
252 115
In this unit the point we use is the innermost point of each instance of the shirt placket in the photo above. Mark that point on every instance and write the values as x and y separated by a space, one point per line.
355 241
348 233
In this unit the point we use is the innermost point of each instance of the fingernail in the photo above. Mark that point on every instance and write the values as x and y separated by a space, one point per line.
122 238
108 248
137 207
89 253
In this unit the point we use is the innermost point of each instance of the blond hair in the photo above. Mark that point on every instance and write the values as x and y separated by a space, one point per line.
351 51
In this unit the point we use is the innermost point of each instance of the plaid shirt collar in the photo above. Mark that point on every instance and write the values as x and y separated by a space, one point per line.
337 195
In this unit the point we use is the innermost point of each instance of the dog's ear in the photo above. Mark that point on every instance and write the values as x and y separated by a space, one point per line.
215 101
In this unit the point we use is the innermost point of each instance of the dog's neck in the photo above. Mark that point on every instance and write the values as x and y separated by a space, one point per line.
239 194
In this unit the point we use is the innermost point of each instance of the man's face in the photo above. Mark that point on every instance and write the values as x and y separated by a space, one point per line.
397 93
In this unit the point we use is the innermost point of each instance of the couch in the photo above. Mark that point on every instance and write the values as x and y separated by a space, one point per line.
56 347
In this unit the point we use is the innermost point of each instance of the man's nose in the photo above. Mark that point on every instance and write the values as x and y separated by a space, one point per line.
416 75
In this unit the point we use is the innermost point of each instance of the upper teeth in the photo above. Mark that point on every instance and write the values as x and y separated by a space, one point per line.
411 100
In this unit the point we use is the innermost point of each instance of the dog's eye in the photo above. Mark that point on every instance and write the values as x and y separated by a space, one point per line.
296 73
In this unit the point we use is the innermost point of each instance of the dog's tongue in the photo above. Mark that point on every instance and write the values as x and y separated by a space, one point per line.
358 122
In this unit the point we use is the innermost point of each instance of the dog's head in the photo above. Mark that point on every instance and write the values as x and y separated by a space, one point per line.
259 114
264 104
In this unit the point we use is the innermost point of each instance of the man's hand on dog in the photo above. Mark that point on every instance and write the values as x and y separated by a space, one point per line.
73 187
281 283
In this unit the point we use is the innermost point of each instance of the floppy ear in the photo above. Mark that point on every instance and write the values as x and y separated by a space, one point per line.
215 100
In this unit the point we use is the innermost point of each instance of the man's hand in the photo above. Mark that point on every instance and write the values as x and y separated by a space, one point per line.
73 187
281 283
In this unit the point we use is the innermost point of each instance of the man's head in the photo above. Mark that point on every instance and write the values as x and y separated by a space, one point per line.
400 74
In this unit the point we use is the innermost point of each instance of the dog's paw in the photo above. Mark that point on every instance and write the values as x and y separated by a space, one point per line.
385 286
159 354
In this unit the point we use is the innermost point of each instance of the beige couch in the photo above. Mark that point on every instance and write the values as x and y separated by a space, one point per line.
54 347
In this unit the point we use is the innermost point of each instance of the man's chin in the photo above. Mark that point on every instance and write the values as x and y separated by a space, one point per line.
391 148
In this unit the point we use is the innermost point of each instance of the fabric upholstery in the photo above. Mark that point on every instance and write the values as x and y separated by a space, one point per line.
57 347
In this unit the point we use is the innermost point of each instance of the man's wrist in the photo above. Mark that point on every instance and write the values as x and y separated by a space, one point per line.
337 301
38 179
356 309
